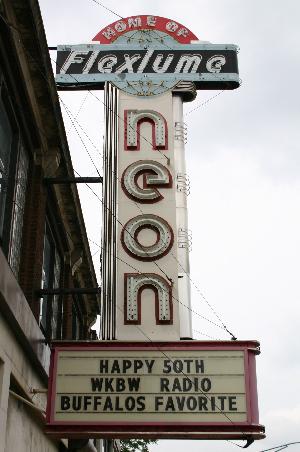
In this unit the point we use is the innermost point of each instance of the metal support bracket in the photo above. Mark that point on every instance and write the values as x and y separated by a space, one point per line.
38 391
73 180
72 291
249 442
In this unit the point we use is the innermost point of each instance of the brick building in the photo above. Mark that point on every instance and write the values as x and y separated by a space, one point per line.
43 241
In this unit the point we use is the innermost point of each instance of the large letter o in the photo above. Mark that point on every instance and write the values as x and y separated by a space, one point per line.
134 248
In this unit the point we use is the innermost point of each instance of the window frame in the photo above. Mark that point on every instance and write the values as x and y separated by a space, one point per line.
77 317
12 169
46 326
18 211
9 214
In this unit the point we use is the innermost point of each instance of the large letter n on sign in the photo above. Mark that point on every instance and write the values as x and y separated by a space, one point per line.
135 283
133 120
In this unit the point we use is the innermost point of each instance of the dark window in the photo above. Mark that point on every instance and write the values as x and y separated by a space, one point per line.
6 138
51 305
77 327
13 181
18 211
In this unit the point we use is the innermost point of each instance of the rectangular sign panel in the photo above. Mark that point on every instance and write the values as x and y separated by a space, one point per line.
209 66
161 390
147 302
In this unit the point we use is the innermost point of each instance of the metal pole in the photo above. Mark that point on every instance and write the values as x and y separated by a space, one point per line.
184 289
72 291
109 446
73 180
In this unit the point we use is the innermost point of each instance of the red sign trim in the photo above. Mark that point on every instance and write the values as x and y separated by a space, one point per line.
178 31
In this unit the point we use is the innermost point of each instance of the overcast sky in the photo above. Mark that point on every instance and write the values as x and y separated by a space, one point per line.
243 160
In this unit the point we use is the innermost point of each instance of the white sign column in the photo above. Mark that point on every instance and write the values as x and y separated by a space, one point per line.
147 272
184 238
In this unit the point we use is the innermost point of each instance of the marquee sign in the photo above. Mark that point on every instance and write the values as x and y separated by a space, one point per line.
161 390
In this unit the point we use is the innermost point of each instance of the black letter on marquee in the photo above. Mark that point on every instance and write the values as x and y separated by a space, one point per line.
222 400
232 403
180 402
199 366
108 385
134 384
96 384
188 364
87 400
65 402
205 384
97 402
118 406
164 385
158 402
203 403
130 403
191 403
77 406
170 404
108 404
167 366
120 384
126 365
103 366
141 403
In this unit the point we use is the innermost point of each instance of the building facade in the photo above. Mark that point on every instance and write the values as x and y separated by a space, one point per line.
45 261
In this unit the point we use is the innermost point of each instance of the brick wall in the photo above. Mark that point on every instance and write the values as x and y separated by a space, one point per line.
33 238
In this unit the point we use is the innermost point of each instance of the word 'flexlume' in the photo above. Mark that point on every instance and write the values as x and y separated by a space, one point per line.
134 62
